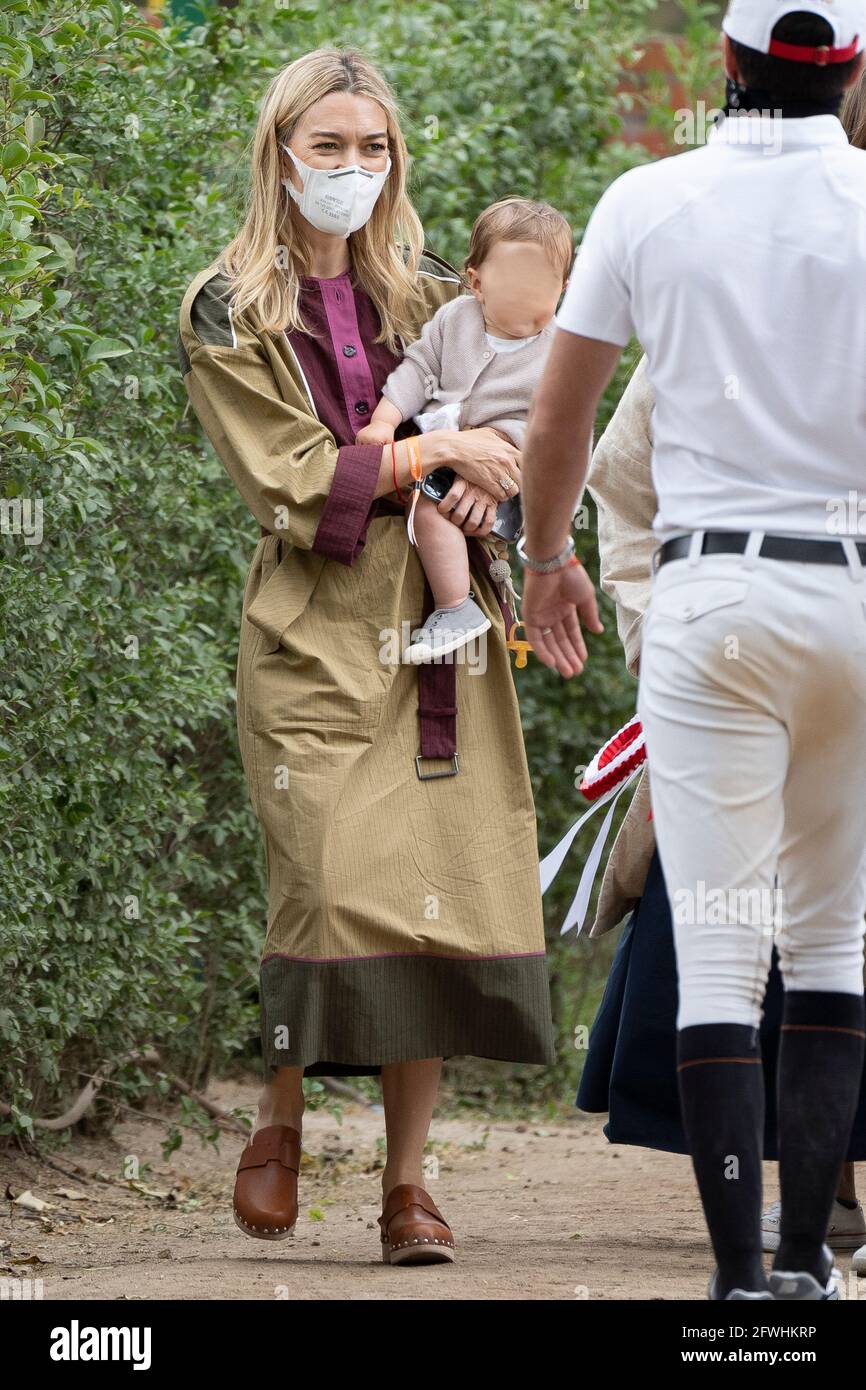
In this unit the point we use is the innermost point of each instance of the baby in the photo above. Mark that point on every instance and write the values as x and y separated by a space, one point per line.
477 362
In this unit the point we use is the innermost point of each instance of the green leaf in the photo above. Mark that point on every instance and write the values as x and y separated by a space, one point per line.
102 348
18 425
16 152
63 249
34 128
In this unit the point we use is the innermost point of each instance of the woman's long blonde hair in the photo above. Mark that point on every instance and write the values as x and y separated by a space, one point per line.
853 113
270 251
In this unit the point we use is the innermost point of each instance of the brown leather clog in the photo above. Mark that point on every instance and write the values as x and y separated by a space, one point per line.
414 1231
265 1200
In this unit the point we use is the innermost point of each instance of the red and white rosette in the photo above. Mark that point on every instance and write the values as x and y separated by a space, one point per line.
613 763
612 769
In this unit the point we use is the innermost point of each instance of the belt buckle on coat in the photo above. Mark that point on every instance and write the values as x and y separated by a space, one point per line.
452 771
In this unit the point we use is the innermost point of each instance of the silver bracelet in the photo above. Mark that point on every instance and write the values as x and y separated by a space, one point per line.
545 566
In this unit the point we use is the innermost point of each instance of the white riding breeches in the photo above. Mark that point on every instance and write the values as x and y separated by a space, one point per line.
753 700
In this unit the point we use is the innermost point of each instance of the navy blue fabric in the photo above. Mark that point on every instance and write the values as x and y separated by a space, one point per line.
630 1068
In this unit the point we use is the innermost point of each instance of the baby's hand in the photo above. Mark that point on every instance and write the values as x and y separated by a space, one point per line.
377 432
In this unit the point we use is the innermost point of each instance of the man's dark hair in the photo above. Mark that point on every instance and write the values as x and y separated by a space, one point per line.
787 81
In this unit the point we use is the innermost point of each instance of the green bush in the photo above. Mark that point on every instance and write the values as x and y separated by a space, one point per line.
132 879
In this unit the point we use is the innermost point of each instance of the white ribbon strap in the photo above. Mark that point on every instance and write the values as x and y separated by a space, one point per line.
410 526
576 915
552 862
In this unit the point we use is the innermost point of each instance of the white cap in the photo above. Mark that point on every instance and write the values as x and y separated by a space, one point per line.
751 22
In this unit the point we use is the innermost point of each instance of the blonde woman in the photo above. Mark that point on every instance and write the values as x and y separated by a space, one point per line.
404 915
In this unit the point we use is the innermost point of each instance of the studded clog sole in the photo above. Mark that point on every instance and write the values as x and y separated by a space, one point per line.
275 1233
413 1230
417 1252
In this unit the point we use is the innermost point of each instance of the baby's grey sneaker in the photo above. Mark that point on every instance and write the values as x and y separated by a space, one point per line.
445 630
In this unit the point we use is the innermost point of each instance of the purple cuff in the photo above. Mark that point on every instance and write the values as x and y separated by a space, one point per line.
342 530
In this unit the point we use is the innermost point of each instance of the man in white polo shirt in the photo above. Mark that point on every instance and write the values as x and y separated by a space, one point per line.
741 267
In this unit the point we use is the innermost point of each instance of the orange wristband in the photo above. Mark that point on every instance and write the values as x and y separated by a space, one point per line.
417 470
415 466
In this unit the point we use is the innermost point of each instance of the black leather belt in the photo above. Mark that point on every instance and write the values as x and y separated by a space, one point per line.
814 552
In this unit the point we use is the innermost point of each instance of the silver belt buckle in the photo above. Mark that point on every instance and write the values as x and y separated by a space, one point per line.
452 771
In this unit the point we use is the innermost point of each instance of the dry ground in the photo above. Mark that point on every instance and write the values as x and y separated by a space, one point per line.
539 1212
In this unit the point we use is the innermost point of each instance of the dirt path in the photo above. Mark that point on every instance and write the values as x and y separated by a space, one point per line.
539 1212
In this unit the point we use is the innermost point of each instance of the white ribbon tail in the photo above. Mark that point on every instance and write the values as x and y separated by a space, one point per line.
576 914
552 862
410 527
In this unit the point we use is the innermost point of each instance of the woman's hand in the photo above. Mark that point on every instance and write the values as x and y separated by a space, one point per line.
549 612
484 458
468 506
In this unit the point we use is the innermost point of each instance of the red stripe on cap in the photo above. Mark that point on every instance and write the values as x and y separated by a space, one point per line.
797 53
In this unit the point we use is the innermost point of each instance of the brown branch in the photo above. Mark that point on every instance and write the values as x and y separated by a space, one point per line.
85 1099
88 1095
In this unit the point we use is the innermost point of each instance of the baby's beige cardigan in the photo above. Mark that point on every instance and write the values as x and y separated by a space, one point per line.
452 361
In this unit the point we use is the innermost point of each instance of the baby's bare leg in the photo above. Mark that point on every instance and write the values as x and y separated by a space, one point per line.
443 553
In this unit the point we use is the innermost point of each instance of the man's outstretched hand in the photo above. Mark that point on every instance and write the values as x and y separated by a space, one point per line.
559 601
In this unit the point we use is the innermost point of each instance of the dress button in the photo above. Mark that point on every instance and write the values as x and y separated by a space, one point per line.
687 610
349 351
362 408
486 354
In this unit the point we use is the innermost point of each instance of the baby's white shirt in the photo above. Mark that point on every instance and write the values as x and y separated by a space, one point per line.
509 344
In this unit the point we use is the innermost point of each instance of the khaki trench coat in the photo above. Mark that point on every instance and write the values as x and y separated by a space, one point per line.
404 916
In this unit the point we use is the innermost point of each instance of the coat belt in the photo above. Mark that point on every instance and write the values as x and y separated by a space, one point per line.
437 680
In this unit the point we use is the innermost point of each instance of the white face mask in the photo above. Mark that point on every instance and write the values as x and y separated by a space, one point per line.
336 200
